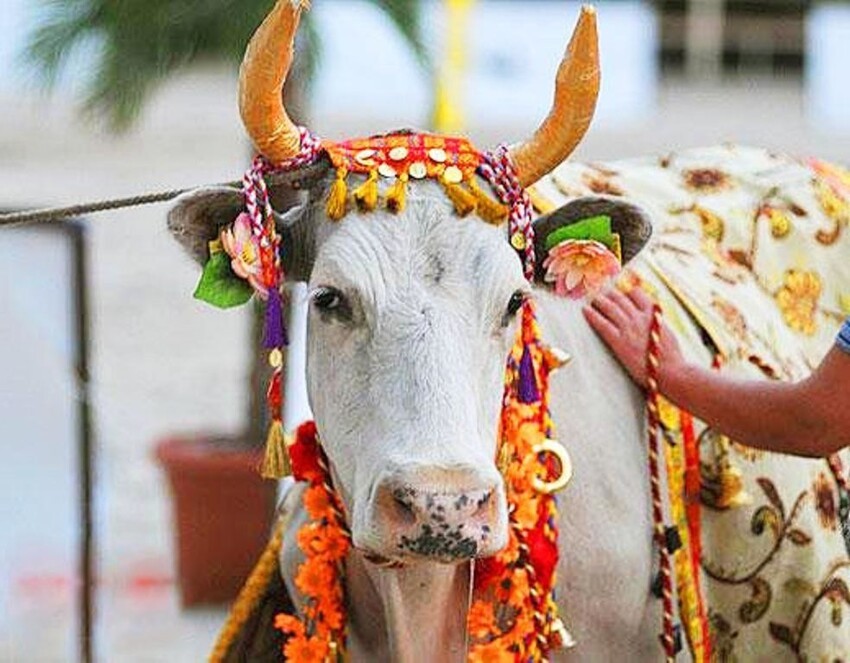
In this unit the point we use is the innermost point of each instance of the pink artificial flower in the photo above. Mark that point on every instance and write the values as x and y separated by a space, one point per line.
580 267
239 242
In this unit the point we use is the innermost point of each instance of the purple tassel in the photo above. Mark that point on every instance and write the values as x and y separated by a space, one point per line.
275 332
528 392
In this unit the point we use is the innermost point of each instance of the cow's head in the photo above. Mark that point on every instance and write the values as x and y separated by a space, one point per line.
412 315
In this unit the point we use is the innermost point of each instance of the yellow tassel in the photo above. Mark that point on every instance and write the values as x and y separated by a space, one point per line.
338 196
397 194
489 209
464 202
366 194
276 460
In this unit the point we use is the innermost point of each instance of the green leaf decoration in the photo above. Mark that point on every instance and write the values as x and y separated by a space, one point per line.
597 228
219 286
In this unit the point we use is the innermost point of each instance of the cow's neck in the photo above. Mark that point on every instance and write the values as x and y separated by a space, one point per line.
416 612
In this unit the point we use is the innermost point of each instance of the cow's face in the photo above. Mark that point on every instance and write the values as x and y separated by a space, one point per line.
411 319
410 323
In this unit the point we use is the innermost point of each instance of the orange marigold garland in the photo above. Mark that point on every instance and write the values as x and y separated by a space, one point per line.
514 616
318 633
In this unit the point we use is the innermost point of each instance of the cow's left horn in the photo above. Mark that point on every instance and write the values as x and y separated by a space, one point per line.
576 91
261 77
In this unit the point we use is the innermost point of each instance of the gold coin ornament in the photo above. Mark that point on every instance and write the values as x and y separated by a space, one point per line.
276 358
386 170
437 155
418 170
398 153
365 157
453 175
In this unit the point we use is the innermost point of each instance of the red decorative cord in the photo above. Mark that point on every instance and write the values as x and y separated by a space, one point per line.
652 364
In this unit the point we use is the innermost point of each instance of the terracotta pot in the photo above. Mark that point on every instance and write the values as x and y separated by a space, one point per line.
223 512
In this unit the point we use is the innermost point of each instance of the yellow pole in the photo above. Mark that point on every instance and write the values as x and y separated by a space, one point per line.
448 94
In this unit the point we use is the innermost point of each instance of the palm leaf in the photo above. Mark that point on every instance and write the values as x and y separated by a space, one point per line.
141 43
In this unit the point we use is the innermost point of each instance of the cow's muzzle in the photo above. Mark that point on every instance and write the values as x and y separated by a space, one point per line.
445 515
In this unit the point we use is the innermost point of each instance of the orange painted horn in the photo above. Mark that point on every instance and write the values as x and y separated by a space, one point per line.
576 91
265 66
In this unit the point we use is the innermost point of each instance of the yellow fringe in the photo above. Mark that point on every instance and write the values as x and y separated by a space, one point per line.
249 596
492 211
397 194
464 202
366 195
276 460
338 196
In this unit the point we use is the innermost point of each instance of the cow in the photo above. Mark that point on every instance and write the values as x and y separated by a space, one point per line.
411 316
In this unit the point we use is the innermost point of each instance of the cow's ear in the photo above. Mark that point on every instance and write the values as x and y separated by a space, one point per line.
628 221
197 217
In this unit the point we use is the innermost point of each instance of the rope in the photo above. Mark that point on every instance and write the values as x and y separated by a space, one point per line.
652 363
52 214
296 179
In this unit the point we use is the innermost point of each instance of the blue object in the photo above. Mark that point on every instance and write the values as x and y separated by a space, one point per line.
843 339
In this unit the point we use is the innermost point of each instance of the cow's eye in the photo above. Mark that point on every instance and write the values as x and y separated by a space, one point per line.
329 299
514 305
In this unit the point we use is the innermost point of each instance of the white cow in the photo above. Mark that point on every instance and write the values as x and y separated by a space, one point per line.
411 318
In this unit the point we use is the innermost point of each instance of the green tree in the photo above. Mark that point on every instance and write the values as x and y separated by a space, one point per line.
139 44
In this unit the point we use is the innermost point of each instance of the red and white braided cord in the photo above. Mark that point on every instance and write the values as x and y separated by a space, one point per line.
652 366
498 170
256 195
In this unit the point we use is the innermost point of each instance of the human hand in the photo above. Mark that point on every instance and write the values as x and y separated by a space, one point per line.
623 321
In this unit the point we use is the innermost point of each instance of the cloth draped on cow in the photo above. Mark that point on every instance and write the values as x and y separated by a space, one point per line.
748 261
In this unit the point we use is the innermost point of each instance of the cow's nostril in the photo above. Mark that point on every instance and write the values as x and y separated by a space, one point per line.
483 503
404 510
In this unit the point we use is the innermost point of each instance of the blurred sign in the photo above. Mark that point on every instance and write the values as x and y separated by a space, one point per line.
369 76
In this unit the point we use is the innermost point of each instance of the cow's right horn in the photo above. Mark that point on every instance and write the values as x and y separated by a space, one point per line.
576 91
261 78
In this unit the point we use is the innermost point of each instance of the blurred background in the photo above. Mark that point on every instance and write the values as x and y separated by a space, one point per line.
105 356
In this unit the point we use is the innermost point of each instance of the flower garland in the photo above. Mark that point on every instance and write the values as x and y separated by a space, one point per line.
318 633
514 613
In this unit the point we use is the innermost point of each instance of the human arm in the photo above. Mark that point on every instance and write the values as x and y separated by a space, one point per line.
808 418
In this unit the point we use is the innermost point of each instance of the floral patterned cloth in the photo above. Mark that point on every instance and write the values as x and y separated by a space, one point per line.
749 260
